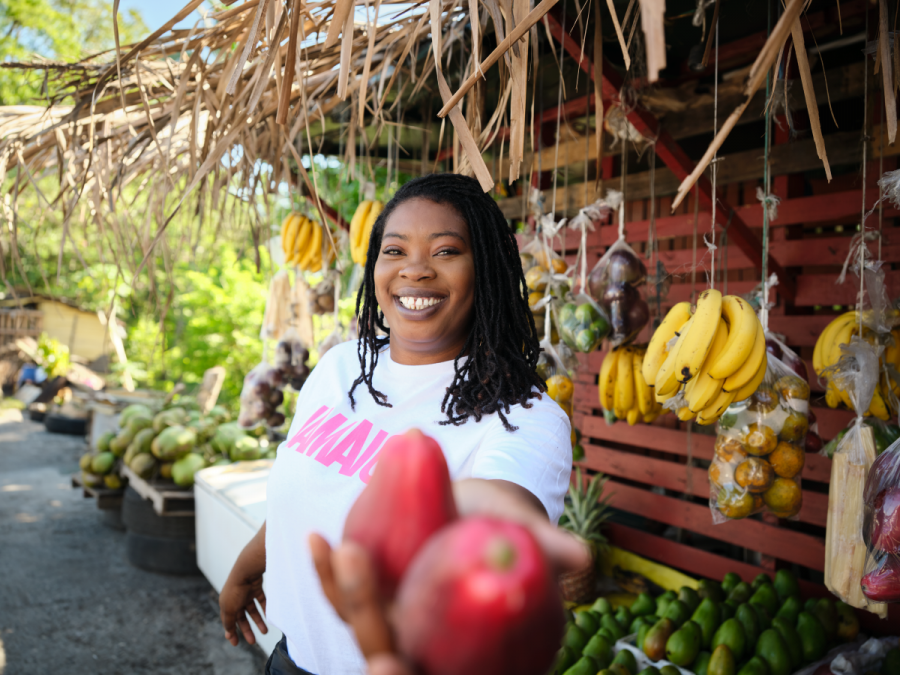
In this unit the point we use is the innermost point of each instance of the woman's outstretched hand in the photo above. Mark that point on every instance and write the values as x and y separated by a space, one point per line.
243 586
350 583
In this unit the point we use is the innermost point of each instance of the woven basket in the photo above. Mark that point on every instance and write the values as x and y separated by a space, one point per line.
579 587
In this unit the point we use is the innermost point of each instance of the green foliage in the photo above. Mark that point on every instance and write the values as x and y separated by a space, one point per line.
52 356
57 30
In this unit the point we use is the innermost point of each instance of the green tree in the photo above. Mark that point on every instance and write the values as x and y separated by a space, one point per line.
55 30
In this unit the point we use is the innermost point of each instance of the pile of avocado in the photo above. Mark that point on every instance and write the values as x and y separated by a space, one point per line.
173 444
732 628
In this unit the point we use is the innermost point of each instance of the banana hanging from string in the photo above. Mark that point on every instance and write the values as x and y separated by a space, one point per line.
623 389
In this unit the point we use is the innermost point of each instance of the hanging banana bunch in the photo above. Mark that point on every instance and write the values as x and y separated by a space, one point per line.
303 240
623 388
361 228
827 353
718 357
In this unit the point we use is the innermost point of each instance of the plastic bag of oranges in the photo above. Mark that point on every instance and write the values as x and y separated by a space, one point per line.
551 368
760 446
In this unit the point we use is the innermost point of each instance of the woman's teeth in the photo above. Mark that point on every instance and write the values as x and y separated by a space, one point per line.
419 303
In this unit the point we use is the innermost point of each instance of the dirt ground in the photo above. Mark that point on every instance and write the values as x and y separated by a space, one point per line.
69 600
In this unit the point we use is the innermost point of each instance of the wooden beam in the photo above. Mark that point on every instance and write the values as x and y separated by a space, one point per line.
668 150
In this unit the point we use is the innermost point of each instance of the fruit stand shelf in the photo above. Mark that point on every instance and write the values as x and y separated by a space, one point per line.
107 500
168 500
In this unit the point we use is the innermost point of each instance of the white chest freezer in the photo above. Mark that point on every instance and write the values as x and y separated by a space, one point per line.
230 503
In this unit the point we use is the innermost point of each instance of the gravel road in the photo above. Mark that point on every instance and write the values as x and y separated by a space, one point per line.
69 600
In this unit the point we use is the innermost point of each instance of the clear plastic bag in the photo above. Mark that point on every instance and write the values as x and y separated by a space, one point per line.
291 356
856 373
552 369
536 254
260 397
615 283
760 446
881 528
582 323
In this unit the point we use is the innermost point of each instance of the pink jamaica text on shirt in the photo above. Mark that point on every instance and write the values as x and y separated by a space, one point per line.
341 444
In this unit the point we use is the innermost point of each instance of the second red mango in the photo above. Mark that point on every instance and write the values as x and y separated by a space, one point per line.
408 499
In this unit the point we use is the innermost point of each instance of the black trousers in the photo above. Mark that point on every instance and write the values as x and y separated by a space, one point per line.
280 663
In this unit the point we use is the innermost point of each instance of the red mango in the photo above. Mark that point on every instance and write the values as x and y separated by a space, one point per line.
480 599
883 583
886 521
407 500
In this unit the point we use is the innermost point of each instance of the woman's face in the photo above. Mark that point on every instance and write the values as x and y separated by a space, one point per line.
425 282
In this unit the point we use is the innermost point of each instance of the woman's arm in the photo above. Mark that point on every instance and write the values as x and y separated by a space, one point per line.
244 584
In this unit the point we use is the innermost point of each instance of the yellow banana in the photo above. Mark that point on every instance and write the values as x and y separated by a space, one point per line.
747 390
302 239
751 365
607 380
832 397
285 229
291 232
666 378
878 406
358 222
842 337
826 338
624 394
715 409
314 245
633 416
684 414
642 392
703 329
742 329
656 350
705 388
374 212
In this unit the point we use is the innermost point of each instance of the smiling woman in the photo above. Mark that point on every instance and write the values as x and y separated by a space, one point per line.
455 357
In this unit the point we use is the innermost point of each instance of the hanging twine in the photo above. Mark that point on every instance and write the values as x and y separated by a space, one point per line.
767 199
583 222
769 202
711 242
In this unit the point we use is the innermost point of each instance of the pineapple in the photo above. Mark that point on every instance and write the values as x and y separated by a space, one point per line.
585 511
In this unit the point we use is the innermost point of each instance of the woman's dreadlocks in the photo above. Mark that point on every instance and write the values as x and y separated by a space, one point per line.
503 347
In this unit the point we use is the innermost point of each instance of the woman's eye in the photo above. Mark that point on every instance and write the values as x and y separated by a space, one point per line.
391 251
448 251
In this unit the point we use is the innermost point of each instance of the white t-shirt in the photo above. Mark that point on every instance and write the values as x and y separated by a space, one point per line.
329 456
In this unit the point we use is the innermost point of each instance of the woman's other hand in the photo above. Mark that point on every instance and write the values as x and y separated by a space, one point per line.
243 586
349 580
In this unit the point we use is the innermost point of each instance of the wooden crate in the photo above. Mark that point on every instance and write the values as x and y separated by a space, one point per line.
167 499
107 500
658 472
19 323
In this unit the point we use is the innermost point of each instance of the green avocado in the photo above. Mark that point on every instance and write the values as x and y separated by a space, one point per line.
609 622
669 670
708 616
891 663
790 609
763 618
689 597
583 666
601 606
755 666
638 622
731 634
765 596
608 634
741 592
727 610
812 637
710 589
729 581
678 612
791 640
654 644
565 659
826 613
747 617
786 585
624 616
625 658
587 621
810 605
847 622
644 605
701 665
641 635
761 578
103 441
721 662
683 645
575 638
649 670
618 669
599 649
662 602
772 649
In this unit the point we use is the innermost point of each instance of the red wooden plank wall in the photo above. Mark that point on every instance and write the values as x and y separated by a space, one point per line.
650 473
